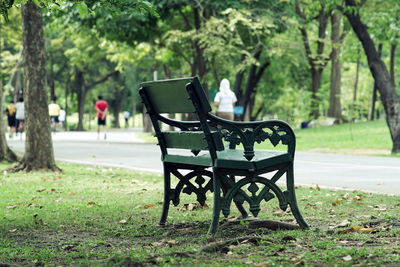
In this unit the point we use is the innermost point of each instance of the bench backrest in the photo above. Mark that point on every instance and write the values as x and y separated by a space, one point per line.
171 96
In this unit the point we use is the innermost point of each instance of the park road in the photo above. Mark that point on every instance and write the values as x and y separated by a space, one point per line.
123 150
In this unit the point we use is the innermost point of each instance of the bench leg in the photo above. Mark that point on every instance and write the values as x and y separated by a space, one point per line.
167 198
239 205
292 199
217 204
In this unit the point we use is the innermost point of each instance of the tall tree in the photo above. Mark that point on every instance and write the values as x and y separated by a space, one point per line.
335 108
38 143
389 97
318 60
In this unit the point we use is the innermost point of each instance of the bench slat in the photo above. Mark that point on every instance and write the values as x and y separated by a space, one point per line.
193 140
170 96
234 159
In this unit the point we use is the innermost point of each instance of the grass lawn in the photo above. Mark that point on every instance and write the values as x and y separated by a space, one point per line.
371 137
106 217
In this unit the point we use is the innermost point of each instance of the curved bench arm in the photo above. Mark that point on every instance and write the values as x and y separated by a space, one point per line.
248 133
182 125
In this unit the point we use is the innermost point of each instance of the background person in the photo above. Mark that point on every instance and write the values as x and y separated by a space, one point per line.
101 107
224 100
126 117
10 111
54 112
61 117
19 115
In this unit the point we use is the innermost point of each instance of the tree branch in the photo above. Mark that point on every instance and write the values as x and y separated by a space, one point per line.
101 80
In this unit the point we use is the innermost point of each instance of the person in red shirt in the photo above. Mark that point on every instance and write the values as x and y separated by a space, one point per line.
101 107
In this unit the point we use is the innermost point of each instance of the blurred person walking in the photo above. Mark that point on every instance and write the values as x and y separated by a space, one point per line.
10 111
101 107
20 115
224 100
61 117
54 112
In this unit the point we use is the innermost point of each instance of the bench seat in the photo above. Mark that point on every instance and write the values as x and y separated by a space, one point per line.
233 159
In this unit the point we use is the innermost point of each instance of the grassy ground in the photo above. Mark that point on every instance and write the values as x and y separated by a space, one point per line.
108 217
356 138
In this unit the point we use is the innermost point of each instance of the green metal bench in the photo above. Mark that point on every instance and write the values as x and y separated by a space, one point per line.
232 174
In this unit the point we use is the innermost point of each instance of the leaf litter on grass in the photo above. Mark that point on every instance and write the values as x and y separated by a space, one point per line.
112 236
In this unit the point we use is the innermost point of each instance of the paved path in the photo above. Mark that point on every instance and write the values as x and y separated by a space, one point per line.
123 149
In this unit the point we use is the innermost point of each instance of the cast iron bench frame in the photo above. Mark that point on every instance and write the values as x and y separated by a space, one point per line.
219 169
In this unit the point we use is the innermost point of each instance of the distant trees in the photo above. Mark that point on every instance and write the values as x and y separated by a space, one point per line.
286 59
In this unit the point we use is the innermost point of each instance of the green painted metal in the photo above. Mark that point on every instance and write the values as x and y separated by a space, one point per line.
189 140
207 135
167 96
194 140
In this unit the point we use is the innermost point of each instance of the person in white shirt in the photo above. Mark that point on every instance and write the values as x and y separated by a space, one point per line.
61 117
224 100
20 115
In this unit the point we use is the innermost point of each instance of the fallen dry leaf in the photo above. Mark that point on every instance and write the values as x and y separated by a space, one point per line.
71 193
343 224
41 190
336 202
148 206
10 207
358 229
91 203
347 258
317 187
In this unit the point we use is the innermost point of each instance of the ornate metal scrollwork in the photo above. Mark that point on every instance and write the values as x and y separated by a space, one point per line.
248 134
238 193
200 186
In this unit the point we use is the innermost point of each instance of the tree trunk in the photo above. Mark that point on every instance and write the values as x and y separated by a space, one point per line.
356 79
335 108
316 76
389 97
18 88
316 62
51 79
118 95
67 84
371 113
392 59
237 88
5 152
38 143
81 96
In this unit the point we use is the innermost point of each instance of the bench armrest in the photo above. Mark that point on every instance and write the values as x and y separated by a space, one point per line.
248 133
182 125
